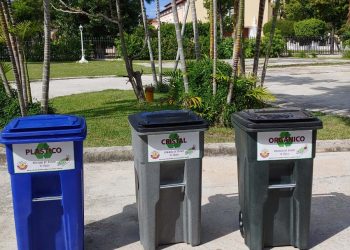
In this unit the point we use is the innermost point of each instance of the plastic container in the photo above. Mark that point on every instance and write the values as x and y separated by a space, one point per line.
168 149
275 151
45 161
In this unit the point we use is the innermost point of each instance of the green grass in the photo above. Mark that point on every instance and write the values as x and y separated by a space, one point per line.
106 115
73 69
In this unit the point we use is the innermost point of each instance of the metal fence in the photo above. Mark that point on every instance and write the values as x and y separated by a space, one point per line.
320 46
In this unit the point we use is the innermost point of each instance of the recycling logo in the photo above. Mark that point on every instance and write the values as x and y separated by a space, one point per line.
43 151
176 141
285 140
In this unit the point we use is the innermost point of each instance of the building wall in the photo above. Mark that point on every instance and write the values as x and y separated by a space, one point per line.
252 11
201 11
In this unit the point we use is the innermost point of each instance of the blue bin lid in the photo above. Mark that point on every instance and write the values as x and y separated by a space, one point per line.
44 128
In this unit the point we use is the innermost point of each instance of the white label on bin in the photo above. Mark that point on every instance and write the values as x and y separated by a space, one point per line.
173 146
284 145
43 157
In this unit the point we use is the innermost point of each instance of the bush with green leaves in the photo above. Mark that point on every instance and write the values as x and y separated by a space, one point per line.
310 28
200 98
278 44
285 26
9 107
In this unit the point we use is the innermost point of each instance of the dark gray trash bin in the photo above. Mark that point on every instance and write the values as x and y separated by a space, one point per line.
275 151
168 148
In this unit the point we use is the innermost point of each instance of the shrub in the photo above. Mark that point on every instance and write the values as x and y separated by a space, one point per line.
285 26
9 107
344 33
278 44
225 48
313 28
200 98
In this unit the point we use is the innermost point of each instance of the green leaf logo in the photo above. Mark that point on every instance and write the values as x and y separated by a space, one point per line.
175 139
43 151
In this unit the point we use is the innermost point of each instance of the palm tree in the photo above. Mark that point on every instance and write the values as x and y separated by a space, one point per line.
148 38
12 50
195 29
211 21
258 37
215 58
160 64
180 45
272 34
236 50
4 79
46 62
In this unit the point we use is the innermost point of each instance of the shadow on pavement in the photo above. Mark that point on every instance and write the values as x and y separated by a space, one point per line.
330 214
113 232
219 216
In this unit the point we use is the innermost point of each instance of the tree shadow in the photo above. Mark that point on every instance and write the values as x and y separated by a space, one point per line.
219 216
113 232
329 216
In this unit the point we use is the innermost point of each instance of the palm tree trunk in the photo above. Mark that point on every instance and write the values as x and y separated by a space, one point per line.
195 29
160 63
221 21
258 37
145 25
215 58
23 75
187 7
4 80
46 62
236 50
242 57
28 87
180 45
134 77
5 30
211 49
272 34
235 17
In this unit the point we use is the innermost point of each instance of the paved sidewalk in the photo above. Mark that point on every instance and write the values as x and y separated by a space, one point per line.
111 215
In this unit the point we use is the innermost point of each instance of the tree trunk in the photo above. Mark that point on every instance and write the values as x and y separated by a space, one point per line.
180 45
4 80
242 57
187 7
5 30
148 38
221 21
23 74
214 45
236 50
160 63
235 17
29 89
211 31
258 37
134 77
46 62
272 34
195 30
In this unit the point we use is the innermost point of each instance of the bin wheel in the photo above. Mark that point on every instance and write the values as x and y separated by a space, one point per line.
241 225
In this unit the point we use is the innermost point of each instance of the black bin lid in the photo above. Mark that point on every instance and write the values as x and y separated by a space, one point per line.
166 120
254 120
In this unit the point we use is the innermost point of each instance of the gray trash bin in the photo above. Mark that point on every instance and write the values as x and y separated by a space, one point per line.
168 148
275 151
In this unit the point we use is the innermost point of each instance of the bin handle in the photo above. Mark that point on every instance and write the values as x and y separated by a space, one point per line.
175 185
48 198
282 186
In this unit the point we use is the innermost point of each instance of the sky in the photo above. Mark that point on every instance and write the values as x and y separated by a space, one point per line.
151 9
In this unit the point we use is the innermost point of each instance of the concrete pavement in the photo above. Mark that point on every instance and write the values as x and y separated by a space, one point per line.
111 215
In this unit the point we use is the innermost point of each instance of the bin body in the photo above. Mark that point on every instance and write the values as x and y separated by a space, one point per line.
45 161
168 179
275 151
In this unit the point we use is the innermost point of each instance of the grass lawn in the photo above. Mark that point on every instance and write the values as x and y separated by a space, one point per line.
73 69
106 114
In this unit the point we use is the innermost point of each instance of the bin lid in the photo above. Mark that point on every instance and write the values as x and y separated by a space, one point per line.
166 120
44 128
254 120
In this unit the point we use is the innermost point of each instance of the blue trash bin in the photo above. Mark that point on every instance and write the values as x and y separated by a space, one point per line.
45 161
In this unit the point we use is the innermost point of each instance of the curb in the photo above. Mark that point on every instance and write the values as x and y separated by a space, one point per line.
124 153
